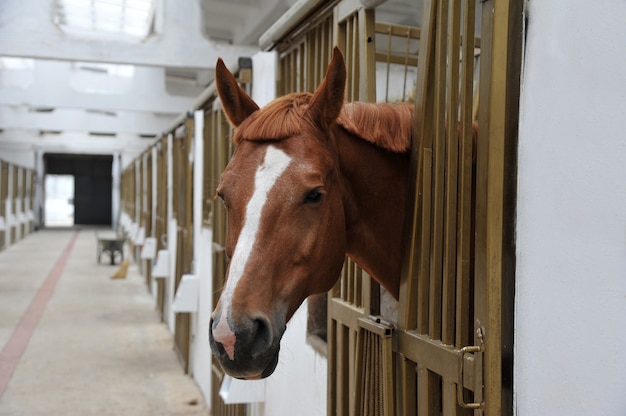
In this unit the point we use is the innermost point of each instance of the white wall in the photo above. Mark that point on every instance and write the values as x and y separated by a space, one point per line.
299 383
571 226
201 351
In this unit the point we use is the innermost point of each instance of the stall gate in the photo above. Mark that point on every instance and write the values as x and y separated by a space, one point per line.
14 195
146 213
139 207
453 318
4 194
160 223
17 188
182 209
148 209
137 200
29 198
19 203
128 191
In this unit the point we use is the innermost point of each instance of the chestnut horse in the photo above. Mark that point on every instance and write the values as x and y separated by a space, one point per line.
311 180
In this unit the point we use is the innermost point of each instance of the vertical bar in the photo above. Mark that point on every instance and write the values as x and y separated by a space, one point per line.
367 91
332 393
436 265
411 293
362 371
496 181
428 392
352 385
423 298
450 228
465 180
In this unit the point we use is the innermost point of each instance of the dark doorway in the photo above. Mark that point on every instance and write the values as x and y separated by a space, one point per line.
92 184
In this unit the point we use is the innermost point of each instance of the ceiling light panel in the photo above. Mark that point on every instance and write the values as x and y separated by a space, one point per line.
106 19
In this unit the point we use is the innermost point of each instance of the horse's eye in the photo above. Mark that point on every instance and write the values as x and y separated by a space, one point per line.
313 197
221 197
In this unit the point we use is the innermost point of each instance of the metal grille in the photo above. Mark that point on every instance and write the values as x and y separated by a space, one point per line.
435 310
397 50
449 312
439 371
375 393
16 196
305 55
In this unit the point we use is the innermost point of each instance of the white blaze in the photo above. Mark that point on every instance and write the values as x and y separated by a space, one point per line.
272 167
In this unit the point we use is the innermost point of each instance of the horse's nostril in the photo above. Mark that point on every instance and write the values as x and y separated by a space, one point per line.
261 336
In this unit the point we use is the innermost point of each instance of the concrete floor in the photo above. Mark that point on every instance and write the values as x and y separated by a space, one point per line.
98 347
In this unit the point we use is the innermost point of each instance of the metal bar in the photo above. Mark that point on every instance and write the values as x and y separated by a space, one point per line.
413 312
395 58
367 64
435 356
428 390
398 30
388 378
496 182
351 364
464 221
423 297
450 220
345 312
448 398
436 263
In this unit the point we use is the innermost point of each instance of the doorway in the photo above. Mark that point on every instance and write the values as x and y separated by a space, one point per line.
59 203
92 185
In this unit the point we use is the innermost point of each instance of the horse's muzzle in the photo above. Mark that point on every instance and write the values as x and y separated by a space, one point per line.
247 349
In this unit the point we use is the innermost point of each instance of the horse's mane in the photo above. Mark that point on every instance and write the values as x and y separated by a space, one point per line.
385 125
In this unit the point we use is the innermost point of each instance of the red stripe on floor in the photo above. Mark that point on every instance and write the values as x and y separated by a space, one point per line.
13 350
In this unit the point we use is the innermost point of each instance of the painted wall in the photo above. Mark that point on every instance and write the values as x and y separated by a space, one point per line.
571 225
201 351
299 383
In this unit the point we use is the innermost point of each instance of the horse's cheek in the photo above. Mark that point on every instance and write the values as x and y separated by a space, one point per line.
333 247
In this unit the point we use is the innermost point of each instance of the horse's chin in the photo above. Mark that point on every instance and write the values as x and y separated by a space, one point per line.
268 371
233 369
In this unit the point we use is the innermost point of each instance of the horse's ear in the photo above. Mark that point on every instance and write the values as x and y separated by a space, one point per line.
236 103
328 98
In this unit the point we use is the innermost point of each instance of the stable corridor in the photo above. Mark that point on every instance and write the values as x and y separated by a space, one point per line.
75 342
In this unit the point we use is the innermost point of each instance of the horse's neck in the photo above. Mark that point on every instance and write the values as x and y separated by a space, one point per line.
375 181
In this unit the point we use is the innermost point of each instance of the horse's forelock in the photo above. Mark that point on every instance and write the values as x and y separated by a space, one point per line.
280 119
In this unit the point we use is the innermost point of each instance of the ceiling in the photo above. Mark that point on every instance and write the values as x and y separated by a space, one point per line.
62 82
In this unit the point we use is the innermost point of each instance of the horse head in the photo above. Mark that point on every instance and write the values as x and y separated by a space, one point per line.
286 236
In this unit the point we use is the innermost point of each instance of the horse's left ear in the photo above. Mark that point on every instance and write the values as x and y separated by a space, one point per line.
236 103
328 98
